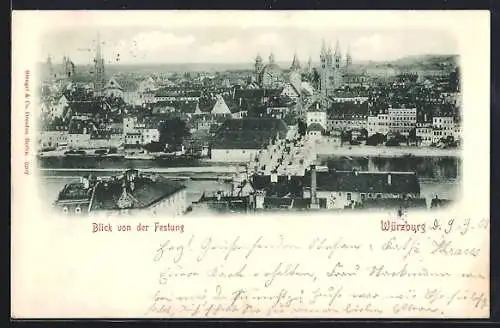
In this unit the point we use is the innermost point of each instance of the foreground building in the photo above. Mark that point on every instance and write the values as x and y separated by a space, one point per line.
132 191
342 189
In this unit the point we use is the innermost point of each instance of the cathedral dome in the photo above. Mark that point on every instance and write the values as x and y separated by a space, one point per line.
272 68
271 75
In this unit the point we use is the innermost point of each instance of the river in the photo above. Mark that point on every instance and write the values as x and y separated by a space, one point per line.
438 175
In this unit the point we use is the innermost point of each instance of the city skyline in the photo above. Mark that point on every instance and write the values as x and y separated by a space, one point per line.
238 45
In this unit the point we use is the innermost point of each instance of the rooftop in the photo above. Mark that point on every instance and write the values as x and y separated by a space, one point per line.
347 110
249 133
145 191
74 191
367 182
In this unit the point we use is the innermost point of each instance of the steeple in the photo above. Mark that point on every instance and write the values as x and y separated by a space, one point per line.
348 57
50 67
99 78
295 63
323 47
329 58
337 49
98 47
309 65
258 59
271 58
337 55
258 64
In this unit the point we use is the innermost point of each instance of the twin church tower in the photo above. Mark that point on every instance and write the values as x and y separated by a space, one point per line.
331 70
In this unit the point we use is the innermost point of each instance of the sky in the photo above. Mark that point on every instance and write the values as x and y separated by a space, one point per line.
238 44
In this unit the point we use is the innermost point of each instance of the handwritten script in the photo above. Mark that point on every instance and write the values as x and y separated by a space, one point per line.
324 273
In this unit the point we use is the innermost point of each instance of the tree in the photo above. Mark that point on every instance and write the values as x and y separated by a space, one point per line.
364 134
412 135
316 78
302 126
346 136
173 132
155 147
392 142
399 137
375 139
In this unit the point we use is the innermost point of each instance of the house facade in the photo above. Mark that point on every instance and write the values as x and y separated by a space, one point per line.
342 189
239 140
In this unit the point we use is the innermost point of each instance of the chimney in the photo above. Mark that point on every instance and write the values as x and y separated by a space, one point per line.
389 179
314 201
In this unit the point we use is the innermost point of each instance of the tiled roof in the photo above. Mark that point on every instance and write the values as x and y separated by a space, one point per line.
256 93
74 191
128 85
249 133
85 106
182 106
146 192
177 92
367 182
349 94
315 127
292 187
347 110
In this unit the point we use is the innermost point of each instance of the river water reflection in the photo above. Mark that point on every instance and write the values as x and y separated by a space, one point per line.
433 168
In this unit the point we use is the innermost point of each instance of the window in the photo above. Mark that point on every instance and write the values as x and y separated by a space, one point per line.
348 196
379 196
363 196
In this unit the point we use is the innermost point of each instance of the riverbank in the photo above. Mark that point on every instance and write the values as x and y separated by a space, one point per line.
384 151
160 170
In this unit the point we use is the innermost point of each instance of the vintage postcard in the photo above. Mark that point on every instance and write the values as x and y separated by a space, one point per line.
250 164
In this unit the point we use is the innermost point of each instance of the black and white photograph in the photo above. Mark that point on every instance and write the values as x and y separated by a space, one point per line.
198 120
250 164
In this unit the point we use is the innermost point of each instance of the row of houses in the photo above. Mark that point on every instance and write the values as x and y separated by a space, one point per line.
394 120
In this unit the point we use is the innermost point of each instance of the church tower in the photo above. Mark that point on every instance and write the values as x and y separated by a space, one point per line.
348 60
99 78
338 70
322 55
258 67
295 63
338 55
69 67
50 68
259 64
329 57
309 65
326 70
271 58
